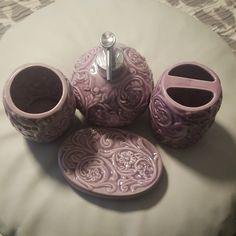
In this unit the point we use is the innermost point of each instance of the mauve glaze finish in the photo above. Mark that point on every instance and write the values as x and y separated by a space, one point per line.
109 162
39 102
113 103
184 104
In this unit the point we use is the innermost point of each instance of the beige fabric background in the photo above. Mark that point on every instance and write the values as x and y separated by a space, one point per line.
219 15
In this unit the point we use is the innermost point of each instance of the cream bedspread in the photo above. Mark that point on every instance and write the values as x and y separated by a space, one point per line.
197 193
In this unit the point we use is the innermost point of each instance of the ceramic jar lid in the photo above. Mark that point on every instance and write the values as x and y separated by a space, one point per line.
109 162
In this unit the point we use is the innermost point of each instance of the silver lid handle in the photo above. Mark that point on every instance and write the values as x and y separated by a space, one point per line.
108 41
110 58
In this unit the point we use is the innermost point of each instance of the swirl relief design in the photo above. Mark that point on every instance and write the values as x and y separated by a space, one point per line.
109 162
113 103
175 128
47 128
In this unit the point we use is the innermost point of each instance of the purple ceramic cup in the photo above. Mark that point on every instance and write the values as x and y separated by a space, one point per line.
39 102
184 104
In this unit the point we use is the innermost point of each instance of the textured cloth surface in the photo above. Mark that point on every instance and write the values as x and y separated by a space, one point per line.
219 15
196 195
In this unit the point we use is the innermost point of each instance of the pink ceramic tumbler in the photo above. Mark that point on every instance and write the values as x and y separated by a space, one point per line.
39 102
184 104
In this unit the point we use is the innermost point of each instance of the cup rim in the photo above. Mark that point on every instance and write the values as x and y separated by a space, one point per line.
13 107
214 99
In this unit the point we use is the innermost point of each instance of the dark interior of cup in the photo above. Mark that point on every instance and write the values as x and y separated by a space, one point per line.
36 89
192 72
190 97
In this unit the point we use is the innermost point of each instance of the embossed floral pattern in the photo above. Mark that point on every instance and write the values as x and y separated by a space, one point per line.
115 103
109 162
126 160
48 128
135 59
178 129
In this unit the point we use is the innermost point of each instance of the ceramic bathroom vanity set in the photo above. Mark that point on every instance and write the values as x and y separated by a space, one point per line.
111 86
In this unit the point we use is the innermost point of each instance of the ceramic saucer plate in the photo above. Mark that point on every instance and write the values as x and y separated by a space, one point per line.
109 162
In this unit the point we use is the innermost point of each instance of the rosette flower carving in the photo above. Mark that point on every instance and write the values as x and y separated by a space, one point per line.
112 103
109 162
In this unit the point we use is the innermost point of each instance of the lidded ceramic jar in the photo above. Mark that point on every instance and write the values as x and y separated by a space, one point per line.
112 83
